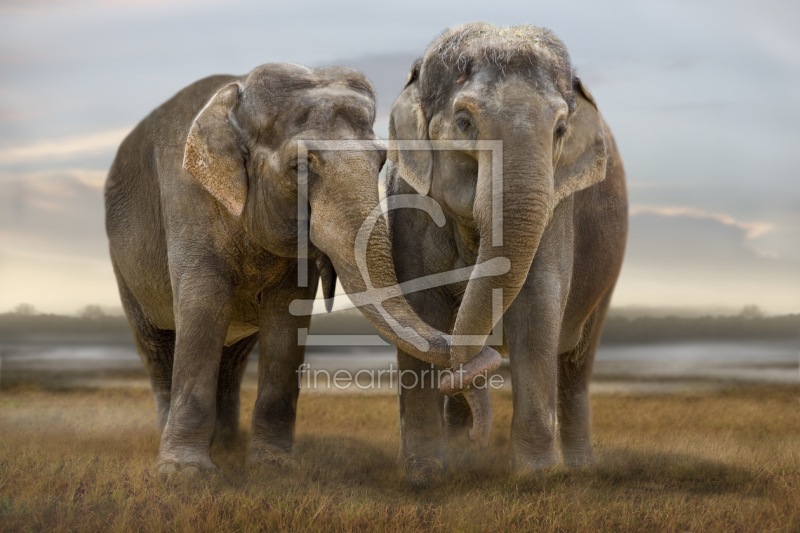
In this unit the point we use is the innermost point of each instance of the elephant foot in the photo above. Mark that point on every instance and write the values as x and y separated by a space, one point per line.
536 466
578 457
184 469
270 456
425 473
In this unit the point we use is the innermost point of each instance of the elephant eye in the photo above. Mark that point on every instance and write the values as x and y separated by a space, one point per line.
463 123
561 130
299 166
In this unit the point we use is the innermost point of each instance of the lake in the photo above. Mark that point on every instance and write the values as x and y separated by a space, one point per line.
638 367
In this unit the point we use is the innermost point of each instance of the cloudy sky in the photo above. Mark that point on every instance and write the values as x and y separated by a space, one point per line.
700 95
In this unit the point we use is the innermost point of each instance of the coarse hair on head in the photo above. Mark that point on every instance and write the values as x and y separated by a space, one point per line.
528 47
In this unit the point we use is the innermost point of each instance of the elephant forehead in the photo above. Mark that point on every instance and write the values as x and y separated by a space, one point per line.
277 79
320 113
498 44
484 55
337 99
292 90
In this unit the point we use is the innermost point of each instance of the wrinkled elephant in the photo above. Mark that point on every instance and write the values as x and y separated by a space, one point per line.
550 198
204 222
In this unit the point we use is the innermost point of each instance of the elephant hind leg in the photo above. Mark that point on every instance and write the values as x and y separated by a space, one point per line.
423 440
574 376
231 371
458 416
156 348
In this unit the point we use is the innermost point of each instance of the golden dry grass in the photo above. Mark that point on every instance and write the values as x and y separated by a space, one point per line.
82 461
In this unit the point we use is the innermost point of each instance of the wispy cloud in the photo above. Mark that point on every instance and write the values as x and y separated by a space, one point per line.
682 256
751 229
46 179
64 148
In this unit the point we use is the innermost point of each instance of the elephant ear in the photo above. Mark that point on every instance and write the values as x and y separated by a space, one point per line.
407 123
213 154
583 158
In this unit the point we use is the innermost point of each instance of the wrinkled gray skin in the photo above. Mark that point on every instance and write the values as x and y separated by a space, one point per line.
564 216
202 219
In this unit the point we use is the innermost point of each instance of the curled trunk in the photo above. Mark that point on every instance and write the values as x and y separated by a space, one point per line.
359 247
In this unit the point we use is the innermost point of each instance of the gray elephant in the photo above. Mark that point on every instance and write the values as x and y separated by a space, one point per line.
206 235
551 200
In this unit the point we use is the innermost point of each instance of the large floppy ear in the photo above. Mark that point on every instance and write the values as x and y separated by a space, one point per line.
213 154
583 157
407 123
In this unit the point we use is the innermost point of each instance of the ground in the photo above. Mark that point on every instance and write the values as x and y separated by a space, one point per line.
82 460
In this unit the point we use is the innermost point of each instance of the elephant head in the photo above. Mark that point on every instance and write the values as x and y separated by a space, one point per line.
516 85
246 148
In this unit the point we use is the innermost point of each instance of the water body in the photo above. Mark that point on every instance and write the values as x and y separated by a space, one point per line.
640 366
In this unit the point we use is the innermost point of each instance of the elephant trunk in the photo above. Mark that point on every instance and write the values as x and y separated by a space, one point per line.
367 274
527 205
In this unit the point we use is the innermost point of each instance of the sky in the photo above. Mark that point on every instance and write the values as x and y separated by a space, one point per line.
701 97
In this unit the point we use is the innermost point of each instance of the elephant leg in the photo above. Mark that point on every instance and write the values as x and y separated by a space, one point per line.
229 383
574 406
533 322
458 416
423 439
423 426
280 357
202 315
533 378
156 348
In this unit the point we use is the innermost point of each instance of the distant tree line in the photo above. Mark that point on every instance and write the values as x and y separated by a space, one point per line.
624 330
94 326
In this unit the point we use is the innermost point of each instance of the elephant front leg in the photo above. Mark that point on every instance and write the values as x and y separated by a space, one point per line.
280 357
201 320
533 426
533 322
423 440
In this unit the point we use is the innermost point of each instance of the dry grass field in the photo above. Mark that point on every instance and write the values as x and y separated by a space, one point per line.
82 460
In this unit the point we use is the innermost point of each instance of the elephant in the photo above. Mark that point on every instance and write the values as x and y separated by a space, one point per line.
554 187
208 207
